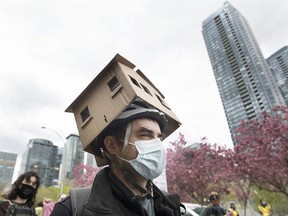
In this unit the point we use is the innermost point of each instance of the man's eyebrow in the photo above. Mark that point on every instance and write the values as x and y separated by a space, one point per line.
146 130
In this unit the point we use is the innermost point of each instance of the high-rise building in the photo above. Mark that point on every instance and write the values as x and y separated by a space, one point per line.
278 63
42 157
73 155
90 159
244 79
7 165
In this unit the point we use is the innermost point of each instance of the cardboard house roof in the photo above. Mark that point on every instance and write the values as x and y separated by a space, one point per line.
117 58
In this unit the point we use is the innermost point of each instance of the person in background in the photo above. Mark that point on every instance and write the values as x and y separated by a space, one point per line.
45 207
22 195
4 203
214 208
39 208
232 210
264 208
62 197
5 193
48 205
135 156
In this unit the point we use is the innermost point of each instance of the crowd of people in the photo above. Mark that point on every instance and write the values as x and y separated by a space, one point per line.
19 199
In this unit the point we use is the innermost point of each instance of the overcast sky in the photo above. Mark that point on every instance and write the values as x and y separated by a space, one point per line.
51 50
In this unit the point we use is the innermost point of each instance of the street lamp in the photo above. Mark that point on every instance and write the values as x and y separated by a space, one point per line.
55 133
62 170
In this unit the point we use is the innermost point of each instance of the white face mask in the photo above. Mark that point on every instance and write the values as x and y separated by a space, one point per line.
151 159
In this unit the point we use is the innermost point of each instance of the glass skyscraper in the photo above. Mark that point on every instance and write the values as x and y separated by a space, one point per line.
278 63
244 79
41 156
73 155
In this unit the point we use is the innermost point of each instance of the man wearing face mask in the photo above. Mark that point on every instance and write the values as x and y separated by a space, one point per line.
22 195
132 147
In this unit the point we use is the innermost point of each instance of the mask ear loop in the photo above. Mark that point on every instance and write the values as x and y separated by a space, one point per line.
127 135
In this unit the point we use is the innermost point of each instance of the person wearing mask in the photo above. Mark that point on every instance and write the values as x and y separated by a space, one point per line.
22 195
133 150
264 208
232 210
214 208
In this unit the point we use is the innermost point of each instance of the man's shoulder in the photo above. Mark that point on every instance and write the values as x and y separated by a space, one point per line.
76 200
210 211
63 208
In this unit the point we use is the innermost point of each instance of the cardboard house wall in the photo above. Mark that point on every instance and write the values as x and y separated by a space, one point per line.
113 89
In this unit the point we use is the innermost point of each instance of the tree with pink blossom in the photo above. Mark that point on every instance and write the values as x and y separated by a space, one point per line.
196 172
261 150
83 175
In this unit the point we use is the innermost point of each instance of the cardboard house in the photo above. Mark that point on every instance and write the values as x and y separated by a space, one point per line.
112 90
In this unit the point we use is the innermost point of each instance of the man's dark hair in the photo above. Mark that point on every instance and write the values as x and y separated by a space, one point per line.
214 197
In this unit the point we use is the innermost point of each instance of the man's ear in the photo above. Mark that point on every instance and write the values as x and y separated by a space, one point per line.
111 145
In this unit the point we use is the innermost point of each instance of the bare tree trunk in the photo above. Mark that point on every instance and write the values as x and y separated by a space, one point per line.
245 206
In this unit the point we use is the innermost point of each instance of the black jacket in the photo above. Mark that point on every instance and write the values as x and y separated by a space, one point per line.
110 197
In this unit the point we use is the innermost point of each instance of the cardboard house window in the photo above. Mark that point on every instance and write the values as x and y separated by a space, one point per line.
113 84
146 89
162 101
135 82
85 114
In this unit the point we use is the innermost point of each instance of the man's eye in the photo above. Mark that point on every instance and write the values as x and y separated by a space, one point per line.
144 136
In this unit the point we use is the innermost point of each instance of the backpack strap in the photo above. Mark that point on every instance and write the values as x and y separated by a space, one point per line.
79 197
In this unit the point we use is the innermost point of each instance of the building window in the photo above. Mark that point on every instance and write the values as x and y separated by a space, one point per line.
85 114
146 89
135 81
113 84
